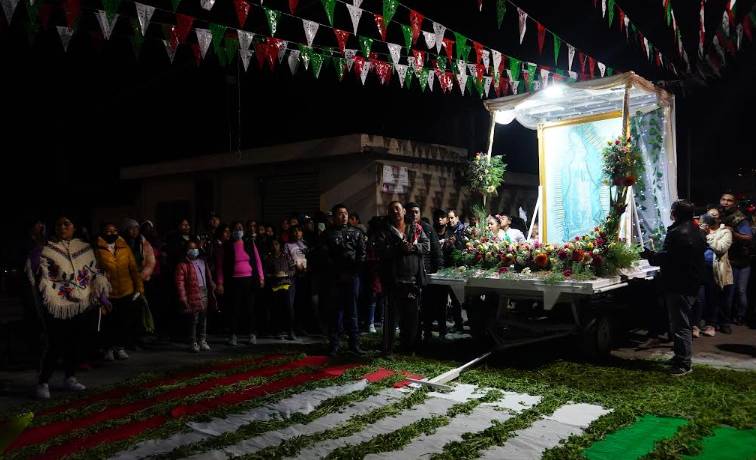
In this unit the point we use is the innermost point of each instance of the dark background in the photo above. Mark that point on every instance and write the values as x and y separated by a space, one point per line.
72 119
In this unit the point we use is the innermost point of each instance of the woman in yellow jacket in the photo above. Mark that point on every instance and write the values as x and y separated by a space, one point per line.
115 257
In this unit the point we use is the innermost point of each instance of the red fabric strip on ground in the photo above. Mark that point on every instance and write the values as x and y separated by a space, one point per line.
378 375
117 393
114 434
404 383
45 432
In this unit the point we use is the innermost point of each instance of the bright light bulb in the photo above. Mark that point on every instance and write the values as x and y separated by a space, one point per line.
554 91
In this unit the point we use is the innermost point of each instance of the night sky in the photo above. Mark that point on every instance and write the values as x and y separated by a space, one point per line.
72 119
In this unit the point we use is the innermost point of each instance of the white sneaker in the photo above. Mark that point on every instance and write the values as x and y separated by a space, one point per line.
43 391
121 354
195 347
73 385
371 329
252 339
109 356
232 341
204 346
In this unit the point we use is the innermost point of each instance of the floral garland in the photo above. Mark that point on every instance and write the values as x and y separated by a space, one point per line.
485 174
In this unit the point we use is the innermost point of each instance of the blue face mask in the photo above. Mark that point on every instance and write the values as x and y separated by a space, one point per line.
193 253
238 234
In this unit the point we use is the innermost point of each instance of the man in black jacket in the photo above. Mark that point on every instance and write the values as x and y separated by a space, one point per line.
682 271
400 245
342 254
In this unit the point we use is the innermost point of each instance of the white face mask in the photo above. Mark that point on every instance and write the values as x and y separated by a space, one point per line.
238 234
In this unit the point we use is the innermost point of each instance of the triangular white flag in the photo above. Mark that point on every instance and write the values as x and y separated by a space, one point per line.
496 60
65 36
245 55
725 23
411 63
293 61
355 13
245 39
570 56
395 51
486 85
9 7
430 39
523 23
431 78
401 70
204 37
462 67
537 85
306 61
282 51
105 24
486 59
462 80
739 35
573 75
602 68
648 52
515 84
357 3
718 47
310 29
170 50
661 62
439 30
626 20
472 69
603 8
207 4
144 14
509 74
349 55
545 77
365 70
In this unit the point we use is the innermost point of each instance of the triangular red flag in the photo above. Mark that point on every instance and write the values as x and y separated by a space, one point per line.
621 18
497 88
657 58
480 70
383 70
45 12
73 10
416 22
274 45
541 36
591 65
359 63
242 10
449 46
261 51
747 31
183 26
478 52
197 53
293 6
381 26
341 39
581 60
419 59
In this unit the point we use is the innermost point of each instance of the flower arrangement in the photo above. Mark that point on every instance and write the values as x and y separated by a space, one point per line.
622 166
485 174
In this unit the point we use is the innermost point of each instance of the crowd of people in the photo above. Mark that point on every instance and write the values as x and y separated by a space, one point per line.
330 276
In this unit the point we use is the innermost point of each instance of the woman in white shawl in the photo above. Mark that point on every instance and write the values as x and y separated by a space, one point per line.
69 282
718 240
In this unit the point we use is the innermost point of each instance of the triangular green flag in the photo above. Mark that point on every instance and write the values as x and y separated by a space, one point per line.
137 39
514 68
175 4
232 46
272 16
531 75
11 429
632 27
340 64
479 86
557 45
610 8
111 7
560 72
218 31
32 10
329 5
441 63
469 85
668 12
466 53
461 42
365 44
407 32
408 79
316 62
423 78
501 10
389 8
609 71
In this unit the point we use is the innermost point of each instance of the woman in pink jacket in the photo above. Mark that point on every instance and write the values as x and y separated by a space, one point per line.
195 287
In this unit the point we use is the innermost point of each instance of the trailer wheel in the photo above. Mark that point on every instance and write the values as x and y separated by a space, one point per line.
598 337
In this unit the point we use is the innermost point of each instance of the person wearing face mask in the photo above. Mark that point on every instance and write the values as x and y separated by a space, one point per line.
718 278
70 284
239 275
115 257
195 288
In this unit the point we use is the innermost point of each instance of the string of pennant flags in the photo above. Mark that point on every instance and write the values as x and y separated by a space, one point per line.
727 39
489 69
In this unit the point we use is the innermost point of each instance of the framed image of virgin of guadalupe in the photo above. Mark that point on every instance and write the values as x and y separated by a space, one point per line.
574 198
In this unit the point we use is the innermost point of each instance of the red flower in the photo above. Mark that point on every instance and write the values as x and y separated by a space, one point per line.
577 255
541 260
629 180
562 254
598 260
567 272
600 241
577 238
616 142
503 269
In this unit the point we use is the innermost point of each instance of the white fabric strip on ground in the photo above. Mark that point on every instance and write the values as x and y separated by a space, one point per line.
427 445
303 403
326 422
432 407
530 443
464 392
